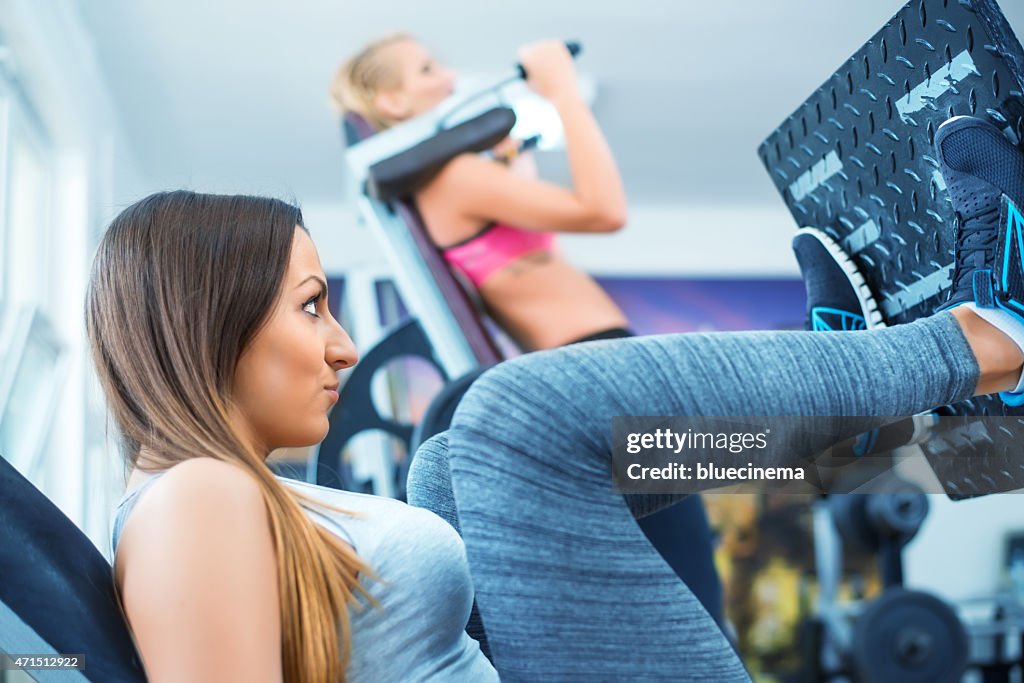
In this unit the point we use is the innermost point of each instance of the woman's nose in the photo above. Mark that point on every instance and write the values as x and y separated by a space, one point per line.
341 352
450 78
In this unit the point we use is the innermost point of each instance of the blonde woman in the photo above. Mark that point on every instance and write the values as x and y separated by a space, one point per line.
493 220
496 223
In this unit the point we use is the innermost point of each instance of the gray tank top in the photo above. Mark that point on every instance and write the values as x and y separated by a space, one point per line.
424 588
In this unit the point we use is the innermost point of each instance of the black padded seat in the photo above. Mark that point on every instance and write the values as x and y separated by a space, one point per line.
57 590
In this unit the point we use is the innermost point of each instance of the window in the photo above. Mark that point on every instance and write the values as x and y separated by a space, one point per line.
29 381
25 180
30 349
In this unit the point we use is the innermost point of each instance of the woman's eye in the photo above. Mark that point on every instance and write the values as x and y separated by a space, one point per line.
310 306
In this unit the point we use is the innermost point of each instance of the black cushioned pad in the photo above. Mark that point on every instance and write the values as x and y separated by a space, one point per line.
56 581
403 174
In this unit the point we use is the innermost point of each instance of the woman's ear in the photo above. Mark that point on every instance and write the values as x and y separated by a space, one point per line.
392 103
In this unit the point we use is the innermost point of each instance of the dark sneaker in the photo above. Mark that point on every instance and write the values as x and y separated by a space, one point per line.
838 299
837 296
984 173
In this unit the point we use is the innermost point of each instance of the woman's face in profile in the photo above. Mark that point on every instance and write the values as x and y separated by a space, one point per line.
425 83
286 381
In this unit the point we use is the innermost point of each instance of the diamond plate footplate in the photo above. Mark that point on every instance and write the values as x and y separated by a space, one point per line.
976 456
856 159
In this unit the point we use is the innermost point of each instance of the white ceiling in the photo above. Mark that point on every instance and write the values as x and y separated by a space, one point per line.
230 95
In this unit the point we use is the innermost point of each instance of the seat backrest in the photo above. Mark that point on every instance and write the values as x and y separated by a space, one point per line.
56 589
355 129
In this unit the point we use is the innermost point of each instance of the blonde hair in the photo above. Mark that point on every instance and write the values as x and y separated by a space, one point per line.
180 286
360 77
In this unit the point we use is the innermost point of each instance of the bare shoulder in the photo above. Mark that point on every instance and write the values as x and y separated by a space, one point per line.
199 499
197 572
448 201
466 171
468 165
202 480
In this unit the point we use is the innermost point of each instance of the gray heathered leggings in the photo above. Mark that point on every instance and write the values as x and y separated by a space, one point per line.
567 585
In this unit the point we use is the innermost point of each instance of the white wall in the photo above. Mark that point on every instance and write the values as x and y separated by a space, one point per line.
661 240
691 240
342 242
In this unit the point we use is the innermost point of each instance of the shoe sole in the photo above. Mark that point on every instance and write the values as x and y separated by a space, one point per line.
868 305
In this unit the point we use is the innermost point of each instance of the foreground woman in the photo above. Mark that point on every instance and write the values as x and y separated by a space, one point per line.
212 338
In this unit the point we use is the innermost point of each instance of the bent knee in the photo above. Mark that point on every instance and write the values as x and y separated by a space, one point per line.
536 402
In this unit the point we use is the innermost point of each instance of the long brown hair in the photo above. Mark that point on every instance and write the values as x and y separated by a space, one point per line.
362 76
181 284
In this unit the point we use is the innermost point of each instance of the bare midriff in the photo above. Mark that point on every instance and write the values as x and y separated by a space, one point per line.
543 301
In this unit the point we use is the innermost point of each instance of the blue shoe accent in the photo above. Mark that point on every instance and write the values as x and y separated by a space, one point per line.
981 283
984 173
826 319
1013 238
1012 399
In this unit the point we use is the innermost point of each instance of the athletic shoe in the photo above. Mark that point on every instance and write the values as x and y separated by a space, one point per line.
837 296
984 173
838 299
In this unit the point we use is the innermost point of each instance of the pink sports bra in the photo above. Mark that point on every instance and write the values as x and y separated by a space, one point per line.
493 248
